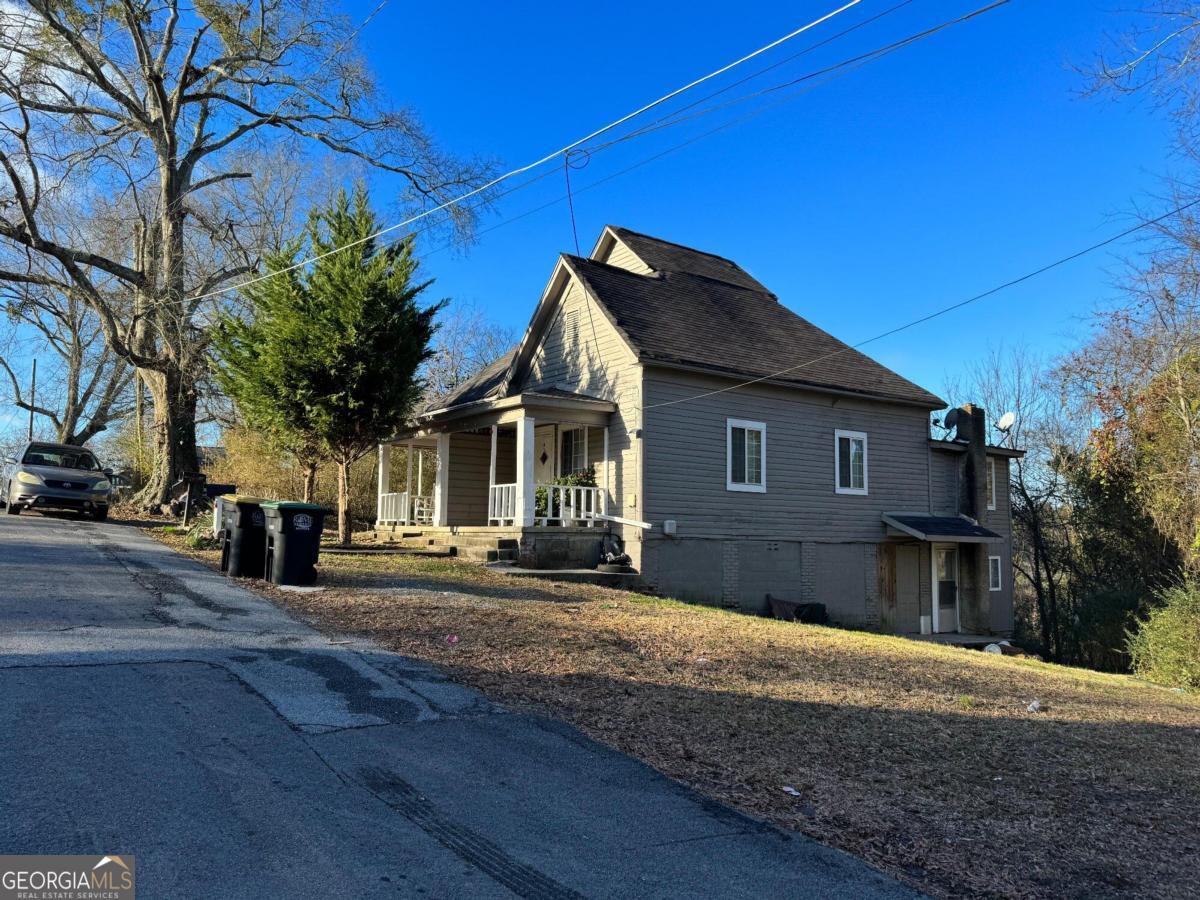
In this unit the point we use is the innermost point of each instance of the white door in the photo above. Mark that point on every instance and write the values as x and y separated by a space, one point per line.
543 454
945 588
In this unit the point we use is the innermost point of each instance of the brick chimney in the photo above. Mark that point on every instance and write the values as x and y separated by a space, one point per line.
974 599
972 428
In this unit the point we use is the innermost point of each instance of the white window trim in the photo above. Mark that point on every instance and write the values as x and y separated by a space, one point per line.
562 434
837 462
730 485
991 500
999 585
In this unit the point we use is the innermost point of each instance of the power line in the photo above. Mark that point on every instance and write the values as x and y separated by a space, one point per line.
545 159
782 62
941 312
832 72
675 118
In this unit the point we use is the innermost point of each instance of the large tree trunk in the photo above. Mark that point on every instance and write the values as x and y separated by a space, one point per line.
343 502
173 396
309 470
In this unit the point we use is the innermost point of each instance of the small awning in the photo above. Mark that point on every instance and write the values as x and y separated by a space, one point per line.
952 529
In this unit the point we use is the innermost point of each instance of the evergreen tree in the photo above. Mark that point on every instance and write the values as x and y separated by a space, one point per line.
328 359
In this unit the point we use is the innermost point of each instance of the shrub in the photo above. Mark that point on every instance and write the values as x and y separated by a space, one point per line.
585 478
200 533
1166 649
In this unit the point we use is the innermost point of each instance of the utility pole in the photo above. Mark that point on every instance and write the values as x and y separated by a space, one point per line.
32 397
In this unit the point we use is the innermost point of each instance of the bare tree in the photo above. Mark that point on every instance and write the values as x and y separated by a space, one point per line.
467 342
139 117
87 387
1015 379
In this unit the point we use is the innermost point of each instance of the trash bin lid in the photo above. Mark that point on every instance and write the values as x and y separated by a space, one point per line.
291 504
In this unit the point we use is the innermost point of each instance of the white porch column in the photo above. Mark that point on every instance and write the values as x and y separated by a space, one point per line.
385 479
408 494
420 471
604 498
441 481
526 489
492 464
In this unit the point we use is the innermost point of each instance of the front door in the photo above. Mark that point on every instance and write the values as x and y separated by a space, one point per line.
543 454
945 589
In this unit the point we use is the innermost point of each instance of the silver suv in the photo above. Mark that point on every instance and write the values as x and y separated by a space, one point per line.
57 476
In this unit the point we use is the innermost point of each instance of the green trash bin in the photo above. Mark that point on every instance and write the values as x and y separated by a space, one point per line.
243 535
293 540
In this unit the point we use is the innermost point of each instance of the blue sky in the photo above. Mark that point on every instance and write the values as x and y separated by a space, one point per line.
922 178
869 200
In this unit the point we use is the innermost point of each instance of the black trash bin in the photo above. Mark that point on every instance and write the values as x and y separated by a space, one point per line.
243 535
293 540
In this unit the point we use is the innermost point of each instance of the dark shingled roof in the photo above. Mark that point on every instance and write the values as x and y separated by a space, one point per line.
664 256
941 526
704 311
483 385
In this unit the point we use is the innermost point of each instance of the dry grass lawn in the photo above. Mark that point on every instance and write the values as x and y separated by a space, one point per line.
922 759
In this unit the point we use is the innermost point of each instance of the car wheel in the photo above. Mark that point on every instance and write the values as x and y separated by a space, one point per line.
11 508
100 514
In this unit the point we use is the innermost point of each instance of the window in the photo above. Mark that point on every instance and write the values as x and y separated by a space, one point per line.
994 578
62 457
991 485
573 451
850 461
746 454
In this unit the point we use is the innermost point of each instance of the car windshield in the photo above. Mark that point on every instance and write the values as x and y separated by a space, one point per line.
63 457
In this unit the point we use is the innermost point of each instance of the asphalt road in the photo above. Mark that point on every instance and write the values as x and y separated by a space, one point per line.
150 707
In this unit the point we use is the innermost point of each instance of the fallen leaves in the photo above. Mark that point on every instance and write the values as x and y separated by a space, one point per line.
937 764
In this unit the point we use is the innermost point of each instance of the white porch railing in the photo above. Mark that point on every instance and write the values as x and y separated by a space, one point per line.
502 504
572 505
397 509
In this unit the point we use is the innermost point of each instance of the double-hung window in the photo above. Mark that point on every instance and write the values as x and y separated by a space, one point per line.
850 461
573 451
991 484
995 582
746 456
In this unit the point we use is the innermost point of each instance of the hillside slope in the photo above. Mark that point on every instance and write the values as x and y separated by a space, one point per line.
925 760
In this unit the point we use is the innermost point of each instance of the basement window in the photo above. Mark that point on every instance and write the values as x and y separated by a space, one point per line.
746 456
850 461
994 578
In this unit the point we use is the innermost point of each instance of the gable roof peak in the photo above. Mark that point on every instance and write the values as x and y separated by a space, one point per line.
668 257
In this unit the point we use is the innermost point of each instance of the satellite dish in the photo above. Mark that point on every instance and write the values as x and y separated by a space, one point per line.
951 419
1007 421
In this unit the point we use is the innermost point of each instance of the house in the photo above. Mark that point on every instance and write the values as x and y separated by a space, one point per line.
738 451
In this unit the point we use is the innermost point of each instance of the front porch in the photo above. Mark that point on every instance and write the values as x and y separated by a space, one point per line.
530 475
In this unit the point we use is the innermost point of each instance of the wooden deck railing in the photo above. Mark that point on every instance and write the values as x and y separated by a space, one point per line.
571 505
502 504
398 509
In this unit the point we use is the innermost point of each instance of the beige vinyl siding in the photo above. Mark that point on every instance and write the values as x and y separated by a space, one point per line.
581 351
685 460
470 459
620 255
